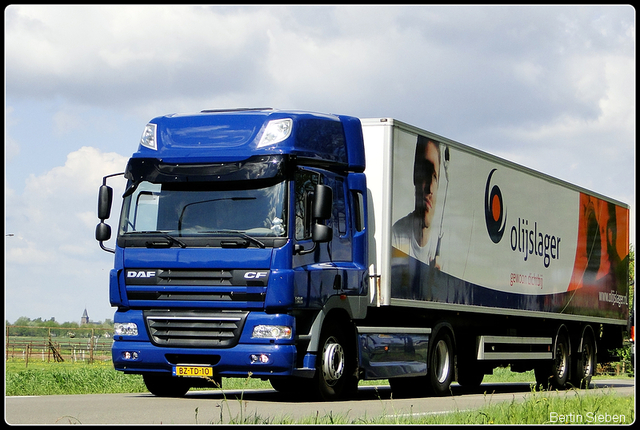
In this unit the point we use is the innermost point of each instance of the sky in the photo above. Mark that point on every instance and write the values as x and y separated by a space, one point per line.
549 87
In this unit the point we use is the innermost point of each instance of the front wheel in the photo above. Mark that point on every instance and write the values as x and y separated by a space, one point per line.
335 373
164 385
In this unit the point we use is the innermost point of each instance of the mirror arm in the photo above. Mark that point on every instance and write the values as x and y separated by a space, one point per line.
299 249
104 248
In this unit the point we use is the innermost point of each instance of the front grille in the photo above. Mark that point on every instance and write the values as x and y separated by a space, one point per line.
235 288
195 328
195 277
230 296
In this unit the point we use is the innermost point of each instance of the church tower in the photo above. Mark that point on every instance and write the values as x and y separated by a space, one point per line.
85 318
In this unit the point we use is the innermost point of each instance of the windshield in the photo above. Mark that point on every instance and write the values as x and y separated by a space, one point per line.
204 210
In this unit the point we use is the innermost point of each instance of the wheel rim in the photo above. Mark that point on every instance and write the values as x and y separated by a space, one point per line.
561 360
587 359
332 361
442 361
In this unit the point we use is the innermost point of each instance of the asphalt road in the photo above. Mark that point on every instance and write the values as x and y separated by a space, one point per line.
207 407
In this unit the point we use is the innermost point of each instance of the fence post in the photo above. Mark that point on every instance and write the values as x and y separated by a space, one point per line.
91 346
26 360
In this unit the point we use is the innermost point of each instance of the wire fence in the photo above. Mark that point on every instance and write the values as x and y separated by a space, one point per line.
57 344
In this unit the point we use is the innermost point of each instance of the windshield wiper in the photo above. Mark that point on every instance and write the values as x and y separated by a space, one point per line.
238 233
219 199
163 234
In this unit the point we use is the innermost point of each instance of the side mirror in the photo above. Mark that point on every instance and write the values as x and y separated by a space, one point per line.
321 233
323 202
105 197
322 207
103 232
320 211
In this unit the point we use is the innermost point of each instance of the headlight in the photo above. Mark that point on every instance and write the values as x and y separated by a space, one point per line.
276 131
125 329
272 332
148 138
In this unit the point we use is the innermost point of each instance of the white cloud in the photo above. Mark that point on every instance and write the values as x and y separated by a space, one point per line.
363 60
138 54
54 208
53 252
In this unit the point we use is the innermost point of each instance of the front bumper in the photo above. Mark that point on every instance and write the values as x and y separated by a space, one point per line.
258 357
239 361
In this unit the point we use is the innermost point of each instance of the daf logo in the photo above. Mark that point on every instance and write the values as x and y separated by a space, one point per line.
255 275
141 273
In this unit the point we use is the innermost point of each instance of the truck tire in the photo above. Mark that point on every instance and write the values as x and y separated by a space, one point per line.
164 385
585 363
440 366
554 374
335 364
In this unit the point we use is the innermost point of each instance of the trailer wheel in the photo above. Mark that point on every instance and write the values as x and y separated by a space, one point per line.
164 385
335 369
585 363
555 374
441 367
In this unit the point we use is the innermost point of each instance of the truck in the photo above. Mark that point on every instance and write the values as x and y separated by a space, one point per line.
317 250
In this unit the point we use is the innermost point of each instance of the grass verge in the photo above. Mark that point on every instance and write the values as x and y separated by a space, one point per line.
68 378
536 408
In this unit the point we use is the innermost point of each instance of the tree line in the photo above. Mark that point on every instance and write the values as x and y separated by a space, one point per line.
25 326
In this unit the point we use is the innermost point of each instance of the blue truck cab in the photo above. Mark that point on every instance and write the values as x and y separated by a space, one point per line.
241 250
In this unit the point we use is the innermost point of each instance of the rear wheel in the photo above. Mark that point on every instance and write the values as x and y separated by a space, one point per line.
441 368
165 385
555 374
585 363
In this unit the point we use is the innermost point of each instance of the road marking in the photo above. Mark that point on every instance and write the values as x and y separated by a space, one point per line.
418 414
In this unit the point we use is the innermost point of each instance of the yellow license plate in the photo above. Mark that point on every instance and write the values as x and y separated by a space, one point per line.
193 371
